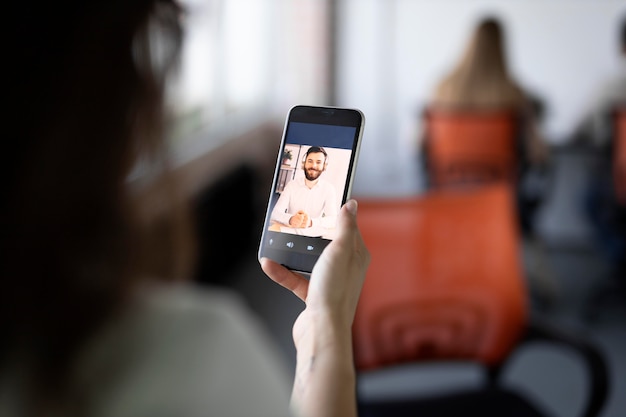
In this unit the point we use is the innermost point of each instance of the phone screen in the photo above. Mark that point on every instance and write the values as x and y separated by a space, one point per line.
313 178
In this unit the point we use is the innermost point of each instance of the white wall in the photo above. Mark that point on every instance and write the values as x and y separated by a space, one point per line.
392 52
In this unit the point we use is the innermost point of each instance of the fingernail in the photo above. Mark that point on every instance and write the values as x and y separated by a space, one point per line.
352 206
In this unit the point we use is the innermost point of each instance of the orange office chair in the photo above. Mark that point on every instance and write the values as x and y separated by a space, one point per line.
619 156
445 284
470 146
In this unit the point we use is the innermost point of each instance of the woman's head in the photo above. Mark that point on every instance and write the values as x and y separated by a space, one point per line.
485 50
87 94
481 77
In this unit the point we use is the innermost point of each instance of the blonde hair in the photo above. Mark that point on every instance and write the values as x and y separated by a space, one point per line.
481 78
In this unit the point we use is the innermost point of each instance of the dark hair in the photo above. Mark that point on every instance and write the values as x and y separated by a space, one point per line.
87 94
316 149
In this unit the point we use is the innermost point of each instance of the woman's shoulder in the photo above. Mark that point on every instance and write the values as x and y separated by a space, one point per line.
183 349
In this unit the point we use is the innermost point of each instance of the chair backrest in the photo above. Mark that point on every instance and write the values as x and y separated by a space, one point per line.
445 280
470 146
619 156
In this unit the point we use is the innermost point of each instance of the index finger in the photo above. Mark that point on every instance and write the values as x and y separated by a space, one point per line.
296 283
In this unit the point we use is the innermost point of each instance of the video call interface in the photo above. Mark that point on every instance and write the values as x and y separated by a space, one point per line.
338 142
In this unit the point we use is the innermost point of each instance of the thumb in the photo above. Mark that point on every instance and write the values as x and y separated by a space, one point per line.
351 206
347 216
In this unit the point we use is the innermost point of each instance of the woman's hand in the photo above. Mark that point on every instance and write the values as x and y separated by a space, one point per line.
324 384
338 275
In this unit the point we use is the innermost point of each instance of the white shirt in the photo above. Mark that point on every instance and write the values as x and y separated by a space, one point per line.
319 202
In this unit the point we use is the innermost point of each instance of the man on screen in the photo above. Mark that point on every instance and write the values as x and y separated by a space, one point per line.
308 204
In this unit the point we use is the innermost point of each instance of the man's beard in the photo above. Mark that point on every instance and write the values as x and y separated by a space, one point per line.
312 174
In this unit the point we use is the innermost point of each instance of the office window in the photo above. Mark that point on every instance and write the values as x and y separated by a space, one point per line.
244 61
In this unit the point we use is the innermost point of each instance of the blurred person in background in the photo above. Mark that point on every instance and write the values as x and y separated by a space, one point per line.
481 80
596 128
96 318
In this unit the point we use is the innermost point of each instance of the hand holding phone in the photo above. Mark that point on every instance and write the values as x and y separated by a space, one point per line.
347 257
308 190
323 328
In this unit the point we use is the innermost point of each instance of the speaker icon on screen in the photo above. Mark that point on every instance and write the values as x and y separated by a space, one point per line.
290 244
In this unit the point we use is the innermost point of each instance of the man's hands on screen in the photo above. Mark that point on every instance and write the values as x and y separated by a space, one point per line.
300 220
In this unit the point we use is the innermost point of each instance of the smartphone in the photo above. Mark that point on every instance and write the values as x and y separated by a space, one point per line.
314 174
